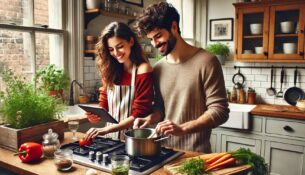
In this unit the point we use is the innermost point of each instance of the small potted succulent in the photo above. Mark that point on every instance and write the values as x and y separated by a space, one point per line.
221 51
28 112
52 79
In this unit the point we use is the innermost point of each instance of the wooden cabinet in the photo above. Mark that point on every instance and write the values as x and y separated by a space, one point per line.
280 141
270 31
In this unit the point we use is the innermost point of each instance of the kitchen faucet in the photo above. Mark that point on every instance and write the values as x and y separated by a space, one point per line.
71 101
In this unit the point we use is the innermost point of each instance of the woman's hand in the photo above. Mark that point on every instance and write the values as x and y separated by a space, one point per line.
94 132
141 123
93 118
168 127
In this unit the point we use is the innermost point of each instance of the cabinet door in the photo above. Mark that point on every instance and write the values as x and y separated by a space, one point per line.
285 158
231 143
252 33
286 35
213 141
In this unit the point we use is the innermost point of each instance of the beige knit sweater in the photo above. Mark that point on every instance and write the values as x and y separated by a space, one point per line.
187 90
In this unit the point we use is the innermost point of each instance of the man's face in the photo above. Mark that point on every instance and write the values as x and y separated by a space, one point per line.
163 40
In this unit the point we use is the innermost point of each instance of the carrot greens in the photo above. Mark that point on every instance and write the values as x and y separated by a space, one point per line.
193 166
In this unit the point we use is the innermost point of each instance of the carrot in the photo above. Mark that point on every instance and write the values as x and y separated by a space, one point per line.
221 159
216 157
205 157
226 163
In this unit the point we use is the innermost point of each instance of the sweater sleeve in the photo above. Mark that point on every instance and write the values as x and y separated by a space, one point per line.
103 100
216 100
142 104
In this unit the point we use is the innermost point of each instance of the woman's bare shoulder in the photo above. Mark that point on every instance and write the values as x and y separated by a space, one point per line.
144 68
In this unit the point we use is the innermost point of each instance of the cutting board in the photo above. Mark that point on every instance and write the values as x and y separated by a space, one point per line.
172 169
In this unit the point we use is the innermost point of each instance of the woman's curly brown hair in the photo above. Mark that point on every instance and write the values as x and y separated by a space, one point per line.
160 15
109 68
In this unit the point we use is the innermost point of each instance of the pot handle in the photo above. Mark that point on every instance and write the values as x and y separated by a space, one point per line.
162 138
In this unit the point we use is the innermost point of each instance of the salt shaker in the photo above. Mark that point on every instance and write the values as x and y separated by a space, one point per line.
50 143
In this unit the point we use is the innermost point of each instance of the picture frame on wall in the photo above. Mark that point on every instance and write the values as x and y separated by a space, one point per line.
134 2
221 29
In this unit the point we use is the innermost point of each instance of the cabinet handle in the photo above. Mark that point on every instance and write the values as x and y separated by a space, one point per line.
288 128
301 53
266 53
301 31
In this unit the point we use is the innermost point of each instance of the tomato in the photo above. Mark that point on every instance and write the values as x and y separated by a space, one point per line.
83 142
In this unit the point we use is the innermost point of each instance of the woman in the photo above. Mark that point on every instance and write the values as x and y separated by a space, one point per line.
127 91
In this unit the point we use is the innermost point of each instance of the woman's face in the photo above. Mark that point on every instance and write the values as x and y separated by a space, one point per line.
120 48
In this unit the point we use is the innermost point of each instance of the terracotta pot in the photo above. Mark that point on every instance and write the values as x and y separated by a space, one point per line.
56 93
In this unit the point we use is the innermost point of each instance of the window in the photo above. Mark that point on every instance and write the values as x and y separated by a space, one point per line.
31 35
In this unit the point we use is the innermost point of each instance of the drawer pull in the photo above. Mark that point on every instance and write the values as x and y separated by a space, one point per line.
288 128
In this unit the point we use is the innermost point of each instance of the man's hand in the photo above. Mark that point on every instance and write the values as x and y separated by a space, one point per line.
93 118
168 127
141 122
94 132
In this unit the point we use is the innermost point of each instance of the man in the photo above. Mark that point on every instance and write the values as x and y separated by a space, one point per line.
189 84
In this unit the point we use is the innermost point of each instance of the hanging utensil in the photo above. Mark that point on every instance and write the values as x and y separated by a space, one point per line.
238 79
280 93
271 90
293 94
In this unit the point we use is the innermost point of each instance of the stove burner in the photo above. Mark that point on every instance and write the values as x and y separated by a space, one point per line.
105 148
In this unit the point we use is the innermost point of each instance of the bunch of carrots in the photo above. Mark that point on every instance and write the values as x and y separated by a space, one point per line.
216 161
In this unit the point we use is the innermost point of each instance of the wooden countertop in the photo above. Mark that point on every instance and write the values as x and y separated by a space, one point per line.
279 111
14 164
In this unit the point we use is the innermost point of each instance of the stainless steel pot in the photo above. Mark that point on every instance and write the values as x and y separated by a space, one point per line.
137 142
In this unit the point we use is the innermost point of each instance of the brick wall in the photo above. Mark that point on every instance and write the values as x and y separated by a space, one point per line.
14 45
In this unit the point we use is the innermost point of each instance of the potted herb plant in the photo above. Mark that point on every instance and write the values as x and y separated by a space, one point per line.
221 51
52 79
28 113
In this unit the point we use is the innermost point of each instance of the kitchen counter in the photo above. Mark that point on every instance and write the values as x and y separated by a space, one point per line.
14 164
279 111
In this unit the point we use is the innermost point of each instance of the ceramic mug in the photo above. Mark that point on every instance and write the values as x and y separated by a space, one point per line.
256 28
287 27
259 50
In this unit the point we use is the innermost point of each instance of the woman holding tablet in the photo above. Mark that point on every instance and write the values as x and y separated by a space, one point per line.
127 91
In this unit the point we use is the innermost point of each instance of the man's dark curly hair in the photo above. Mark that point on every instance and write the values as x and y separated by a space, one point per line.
160 15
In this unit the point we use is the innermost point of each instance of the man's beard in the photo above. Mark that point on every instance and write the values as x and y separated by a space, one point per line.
171 43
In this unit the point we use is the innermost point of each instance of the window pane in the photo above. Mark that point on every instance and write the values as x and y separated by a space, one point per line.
48 50
15 49
14 11
48 13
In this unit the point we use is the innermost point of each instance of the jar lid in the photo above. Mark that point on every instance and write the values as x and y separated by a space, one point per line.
50 136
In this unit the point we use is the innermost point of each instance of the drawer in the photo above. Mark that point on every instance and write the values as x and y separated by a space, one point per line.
287 128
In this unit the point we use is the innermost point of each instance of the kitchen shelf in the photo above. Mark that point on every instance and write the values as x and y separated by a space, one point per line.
286 35
90 53
253 36
92 13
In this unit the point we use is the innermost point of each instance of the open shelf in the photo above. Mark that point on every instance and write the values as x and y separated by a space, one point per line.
286 35
253 36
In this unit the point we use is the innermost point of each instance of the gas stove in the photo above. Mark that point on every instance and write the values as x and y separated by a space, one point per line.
98 154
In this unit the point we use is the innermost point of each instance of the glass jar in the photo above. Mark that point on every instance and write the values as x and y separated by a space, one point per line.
50 144
63 159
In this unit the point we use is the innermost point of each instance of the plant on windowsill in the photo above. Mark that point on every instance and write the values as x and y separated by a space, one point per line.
221 51
28 113
52 79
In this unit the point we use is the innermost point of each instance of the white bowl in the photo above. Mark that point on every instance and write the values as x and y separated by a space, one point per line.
248 51
290 48
256 29
287 27
259 50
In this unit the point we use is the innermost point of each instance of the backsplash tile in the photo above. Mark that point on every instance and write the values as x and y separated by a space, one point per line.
259 79
91 76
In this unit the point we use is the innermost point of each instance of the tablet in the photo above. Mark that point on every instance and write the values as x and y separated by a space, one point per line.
99 112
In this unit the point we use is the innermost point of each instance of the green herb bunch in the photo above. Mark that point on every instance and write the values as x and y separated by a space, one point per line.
246 157
218 49
192 167
51 78
23 106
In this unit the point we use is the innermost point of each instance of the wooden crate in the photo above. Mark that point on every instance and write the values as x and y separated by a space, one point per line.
11 138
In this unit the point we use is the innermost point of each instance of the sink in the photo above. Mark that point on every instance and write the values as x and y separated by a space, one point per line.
239 116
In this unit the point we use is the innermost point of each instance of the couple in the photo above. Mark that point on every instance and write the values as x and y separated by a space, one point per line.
188 98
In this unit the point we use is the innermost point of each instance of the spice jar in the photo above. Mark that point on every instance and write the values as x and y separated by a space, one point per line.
50 144
251 96
63 159
234 95
242 98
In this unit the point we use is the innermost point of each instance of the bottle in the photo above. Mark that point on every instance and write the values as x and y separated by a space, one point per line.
234 95
242 98
251 96
228 95
50 144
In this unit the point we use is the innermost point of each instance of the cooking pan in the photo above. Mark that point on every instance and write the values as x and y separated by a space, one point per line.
293 94
238 79
138 142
